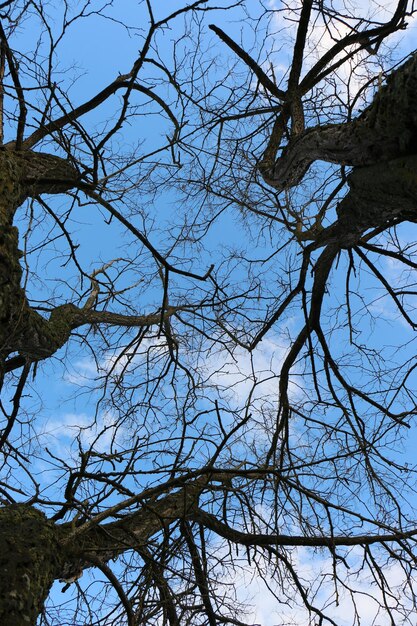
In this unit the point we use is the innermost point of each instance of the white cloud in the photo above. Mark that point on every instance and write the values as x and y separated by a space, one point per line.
316 575
82 371
323 35
64 433
242 370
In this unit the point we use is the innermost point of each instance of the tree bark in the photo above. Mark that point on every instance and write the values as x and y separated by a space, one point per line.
386 130
381 145
23 330
29 563
379 196
35 551
25 174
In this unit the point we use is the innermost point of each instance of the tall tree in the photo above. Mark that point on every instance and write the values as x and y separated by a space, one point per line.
200 260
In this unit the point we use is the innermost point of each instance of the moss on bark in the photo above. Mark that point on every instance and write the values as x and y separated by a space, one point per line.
29 561
25 174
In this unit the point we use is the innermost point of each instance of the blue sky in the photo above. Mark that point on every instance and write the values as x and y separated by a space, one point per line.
96 52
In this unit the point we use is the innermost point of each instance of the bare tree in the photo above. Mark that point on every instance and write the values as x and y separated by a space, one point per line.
214 292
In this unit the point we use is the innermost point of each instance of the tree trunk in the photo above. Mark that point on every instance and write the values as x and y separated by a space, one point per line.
386 130
35 551
25 174
379 196
28 563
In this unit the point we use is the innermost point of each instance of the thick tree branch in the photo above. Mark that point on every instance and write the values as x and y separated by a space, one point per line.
13 68
107 541
294 97
387 129
264 80
362 38
40 338
211 522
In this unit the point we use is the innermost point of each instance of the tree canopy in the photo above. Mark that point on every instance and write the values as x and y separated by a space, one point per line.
207 312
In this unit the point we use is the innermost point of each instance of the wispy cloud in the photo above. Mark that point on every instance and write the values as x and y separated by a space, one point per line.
316 575
66 433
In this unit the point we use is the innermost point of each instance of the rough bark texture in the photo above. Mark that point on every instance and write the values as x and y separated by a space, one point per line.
386 130
379 196
35 551
108 541
26 174
28 563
